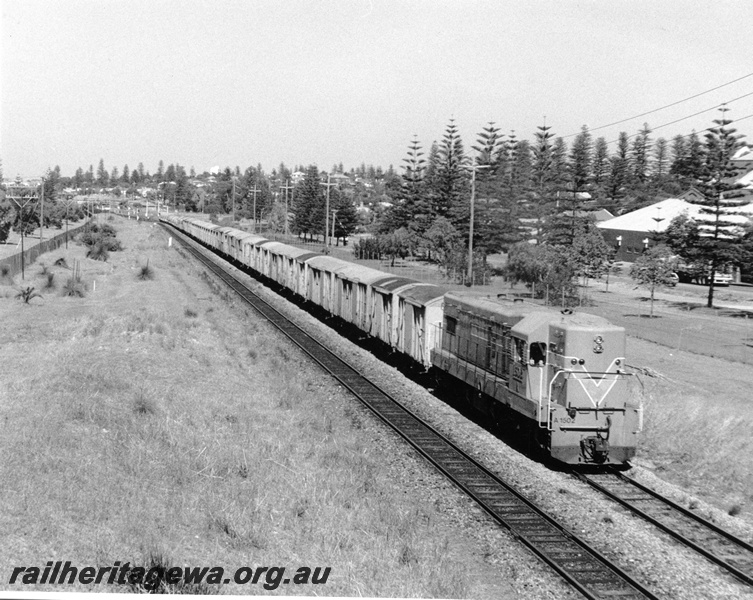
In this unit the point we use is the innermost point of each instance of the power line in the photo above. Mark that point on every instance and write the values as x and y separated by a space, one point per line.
666 106
700 112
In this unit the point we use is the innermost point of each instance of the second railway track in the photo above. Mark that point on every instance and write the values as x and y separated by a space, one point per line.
719 546
581 566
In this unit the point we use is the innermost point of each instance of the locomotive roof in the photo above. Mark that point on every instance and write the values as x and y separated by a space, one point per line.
423 294
490 307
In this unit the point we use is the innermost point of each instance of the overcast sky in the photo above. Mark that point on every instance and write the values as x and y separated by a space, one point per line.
220 82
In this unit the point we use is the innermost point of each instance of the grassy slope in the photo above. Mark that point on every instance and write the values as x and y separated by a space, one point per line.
150 417
698 419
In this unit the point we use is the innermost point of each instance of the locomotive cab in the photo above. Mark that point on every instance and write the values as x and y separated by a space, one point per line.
592 418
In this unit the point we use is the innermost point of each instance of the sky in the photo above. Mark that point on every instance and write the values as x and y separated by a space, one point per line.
205 83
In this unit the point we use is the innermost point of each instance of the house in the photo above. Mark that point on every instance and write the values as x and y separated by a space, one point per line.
632 233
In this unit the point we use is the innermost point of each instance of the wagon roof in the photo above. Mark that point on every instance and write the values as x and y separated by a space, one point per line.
254 239
240 234
325 263
204 224
359 273
289 251
423 294
226 229
390 283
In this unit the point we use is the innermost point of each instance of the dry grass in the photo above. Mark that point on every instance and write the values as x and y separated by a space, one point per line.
135 427
698 419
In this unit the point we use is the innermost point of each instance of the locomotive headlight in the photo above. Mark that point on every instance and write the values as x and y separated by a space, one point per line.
598 344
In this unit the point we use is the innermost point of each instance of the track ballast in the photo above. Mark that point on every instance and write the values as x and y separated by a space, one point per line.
706 538
572 558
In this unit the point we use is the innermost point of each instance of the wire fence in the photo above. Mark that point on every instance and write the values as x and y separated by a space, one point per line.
19 260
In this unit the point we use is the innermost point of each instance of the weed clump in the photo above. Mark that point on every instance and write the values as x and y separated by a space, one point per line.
190 313
75 286
98 251
101 241
735 510
4 272
49 283
28 294
145 272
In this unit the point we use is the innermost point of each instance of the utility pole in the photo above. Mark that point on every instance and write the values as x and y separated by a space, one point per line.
334 214
285 189
233 199
326 209
16 195
41 211
473 169
254 191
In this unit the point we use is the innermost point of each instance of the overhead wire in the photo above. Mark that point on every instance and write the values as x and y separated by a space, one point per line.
700 112
665 106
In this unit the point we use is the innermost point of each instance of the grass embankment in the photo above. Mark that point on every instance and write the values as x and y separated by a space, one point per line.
152 418
698 419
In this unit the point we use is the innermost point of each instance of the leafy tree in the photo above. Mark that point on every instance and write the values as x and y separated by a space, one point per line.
400 243
591 253
547 270
654 268
443 240
308 207
346 217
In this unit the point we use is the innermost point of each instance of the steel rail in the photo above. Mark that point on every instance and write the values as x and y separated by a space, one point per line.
583 567
708 539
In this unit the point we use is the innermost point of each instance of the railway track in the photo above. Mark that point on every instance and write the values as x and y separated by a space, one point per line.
706 538
581 566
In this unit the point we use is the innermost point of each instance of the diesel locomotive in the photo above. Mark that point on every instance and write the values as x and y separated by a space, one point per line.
557 376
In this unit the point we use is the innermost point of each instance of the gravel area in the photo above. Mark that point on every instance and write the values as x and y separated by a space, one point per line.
660 563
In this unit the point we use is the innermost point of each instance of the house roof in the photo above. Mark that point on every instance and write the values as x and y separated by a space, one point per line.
657 217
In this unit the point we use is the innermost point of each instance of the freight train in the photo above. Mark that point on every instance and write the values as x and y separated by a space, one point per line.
557 376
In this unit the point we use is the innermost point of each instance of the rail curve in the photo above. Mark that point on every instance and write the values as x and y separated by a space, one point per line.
587 570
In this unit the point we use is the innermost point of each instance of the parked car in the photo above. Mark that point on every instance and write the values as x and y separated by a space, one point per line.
674 279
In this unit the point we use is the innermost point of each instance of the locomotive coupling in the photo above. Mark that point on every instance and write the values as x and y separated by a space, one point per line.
595 449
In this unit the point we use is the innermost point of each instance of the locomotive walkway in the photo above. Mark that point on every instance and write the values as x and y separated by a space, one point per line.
572 558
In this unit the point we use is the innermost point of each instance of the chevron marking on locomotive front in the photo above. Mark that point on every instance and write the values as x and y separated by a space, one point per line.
596 393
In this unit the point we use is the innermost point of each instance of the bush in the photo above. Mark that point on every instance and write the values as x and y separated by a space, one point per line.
98 252
75 286
145 272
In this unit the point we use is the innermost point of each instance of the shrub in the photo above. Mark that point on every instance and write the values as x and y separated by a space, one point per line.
28 294
98 252
145 272
75 286
50 283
